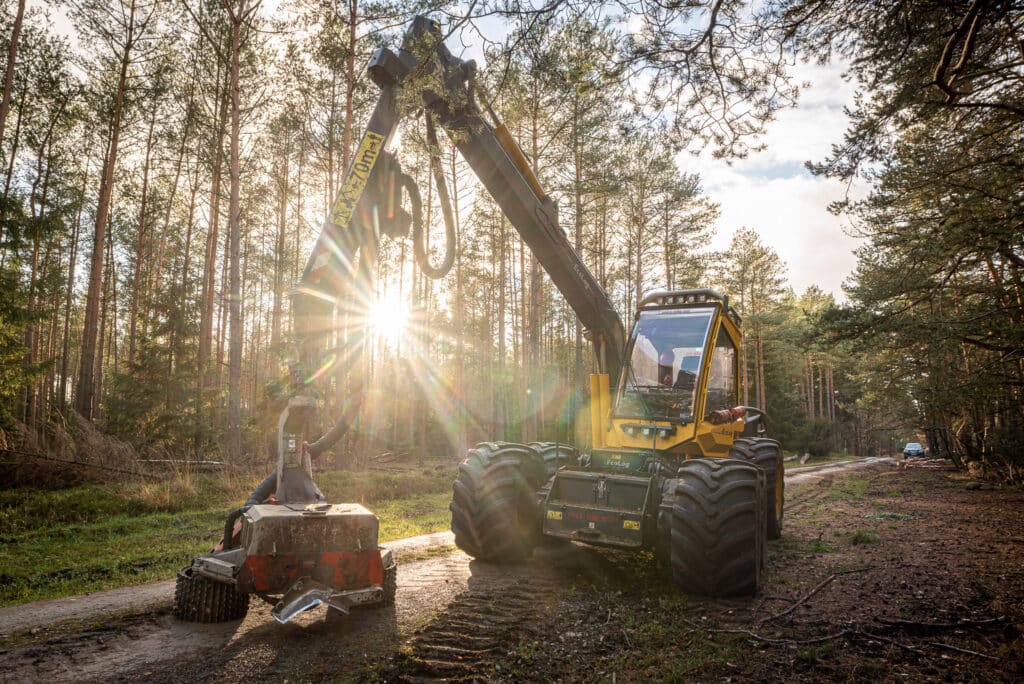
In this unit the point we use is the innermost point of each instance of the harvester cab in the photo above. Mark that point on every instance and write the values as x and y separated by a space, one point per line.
681 370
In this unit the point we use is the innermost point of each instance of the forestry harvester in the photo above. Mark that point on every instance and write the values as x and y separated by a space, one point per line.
675 465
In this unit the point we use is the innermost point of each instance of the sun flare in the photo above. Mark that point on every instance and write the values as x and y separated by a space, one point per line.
388 319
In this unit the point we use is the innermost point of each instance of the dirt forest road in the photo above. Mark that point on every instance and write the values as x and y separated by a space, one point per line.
884 572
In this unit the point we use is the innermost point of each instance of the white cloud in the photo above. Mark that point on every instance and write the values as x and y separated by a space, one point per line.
773 193
791 216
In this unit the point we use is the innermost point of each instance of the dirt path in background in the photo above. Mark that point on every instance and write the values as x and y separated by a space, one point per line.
890 573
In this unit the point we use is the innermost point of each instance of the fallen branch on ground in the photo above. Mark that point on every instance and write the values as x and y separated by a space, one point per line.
821 585
939 644
942 625
850 633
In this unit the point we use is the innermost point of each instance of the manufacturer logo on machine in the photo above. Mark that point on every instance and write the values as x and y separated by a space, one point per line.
617 461
358 174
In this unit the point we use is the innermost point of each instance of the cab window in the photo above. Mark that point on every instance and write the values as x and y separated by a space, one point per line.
661 374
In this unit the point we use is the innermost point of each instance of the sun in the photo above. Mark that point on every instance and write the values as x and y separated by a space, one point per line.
388 319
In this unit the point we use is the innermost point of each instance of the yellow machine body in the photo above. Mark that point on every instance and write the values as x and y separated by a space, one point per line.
696 438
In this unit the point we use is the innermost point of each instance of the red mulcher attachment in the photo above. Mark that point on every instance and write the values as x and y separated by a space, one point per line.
296 555
319 553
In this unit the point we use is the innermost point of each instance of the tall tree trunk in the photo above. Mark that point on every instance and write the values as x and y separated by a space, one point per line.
14 144
524 345
205 370
534 421
140 240
5 102
821 390
580 378
296 259
641 223
279 252
28 391
500 409
667 243
62 394
12 56
222 309
744 353
761 394
85 398
461 324
332 115
809 374
832 391
107 296
235 302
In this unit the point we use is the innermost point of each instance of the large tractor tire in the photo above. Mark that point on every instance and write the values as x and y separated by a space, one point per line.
556 455
718 528
199 599
494 504
766 454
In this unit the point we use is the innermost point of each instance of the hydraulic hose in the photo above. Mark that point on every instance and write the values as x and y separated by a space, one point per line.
418 231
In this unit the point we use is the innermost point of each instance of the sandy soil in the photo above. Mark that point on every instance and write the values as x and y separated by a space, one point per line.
890 572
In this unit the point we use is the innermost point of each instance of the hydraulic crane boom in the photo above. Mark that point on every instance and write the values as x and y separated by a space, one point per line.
425 75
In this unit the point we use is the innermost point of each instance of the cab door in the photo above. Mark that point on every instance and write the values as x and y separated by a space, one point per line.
721 389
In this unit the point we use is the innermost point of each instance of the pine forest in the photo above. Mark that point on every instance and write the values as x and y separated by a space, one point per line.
167 167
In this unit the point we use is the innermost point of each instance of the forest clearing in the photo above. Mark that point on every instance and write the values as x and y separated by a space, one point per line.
288 282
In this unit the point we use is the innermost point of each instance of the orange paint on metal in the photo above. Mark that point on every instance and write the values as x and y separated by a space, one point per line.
341 569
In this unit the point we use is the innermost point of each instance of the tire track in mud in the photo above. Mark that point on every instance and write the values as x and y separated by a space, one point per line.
482 626
807 495
811 484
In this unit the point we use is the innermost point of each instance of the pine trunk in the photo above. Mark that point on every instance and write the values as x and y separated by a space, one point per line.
205 371
12 57
235 303
140 242
85 396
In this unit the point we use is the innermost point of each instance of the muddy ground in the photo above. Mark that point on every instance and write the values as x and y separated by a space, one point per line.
892 572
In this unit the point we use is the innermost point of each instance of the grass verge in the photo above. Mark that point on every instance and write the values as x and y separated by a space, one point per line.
92 537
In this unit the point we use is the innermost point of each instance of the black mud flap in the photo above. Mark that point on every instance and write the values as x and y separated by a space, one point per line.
598 508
